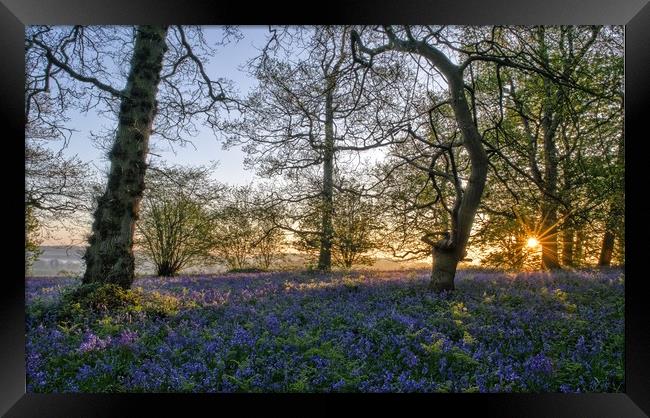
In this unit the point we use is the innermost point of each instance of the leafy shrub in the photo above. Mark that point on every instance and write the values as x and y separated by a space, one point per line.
95 298
158 304
89 300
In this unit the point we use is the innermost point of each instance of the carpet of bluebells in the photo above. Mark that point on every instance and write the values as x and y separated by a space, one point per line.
339 332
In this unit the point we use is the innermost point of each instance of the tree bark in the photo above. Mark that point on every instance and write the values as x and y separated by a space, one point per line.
165 270
443 270
327 230
567 247
607 249
620 251
616 211
109 256
550 123
448 252
578 254
549 241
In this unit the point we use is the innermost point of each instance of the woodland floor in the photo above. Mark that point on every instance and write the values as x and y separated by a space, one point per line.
358 331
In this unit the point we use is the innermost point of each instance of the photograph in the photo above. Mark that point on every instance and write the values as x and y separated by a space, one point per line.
325 208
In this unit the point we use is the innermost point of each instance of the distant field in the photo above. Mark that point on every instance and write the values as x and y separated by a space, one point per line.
56 261
66 261
363 331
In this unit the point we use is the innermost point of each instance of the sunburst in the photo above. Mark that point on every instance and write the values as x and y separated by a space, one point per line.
532 242
538 237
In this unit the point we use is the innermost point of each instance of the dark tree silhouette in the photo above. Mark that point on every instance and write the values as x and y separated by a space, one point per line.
313 104
85 62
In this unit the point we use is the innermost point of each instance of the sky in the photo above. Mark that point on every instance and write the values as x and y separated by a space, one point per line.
226 63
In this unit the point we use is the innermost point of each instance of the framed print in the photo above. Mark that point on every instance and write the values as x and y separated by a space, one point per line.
410 204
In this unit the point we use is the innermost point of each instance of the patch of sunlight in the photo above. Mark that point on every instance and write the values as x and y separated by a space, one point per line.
434 348
459 310
467 338
561 295
487 298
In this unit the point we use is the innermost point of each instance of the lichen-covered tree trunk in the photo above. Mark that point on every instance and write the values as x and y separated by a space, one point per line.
445 262
109 256
327 204
567 247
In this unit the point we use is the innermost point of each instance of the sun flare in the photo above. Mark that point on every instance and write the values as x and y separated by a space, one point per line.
532 242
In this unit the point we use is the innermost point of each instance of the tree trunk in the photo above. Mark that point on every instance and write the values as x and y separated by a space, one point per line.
447 253
548 239
578 255
567 247
551 120
616 212
166 270
109 256
443 270
327 230
548 242
620 251
607 249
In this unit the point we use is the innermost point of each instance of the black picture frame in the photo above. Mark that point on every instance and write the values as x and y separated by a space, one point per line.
634 14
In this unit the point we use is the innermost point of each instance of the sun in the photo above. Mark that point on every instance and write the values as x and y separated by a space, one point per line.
532 242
